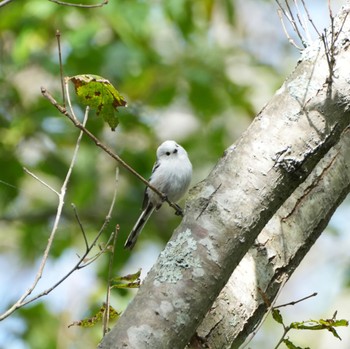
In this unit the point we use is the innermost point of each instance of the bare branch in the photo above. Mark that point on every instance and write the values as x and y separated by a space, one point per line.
291 41
80 225
107 150
61 196
103 3
79 265
296 302
58 36
302 21
310 19
41 181
108 294
290 18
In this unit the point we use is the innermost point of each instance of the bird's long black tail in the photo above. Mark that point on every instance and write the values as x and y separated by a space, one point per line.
136 230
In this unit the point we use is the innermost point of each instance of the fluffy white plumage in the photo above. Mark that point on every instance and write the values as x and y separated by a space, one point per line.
172 175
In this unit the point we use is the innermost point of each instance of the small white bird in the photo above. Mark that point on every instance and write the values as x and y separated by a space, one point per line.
171 175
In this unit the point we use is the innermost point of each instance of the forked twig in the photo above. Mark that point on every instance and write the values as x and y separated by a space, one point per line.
79 265
107 150
61 196
290 40
290 17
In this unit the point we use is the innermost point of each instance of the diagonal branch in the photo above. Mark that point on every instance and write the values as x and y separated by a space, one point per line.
107 150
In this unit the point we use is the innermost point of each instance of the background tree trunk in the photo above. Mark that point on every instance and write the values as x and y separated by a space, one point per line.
226 212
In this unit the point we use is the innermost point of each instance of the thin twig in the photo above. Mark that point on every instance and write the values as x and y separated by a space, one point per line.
58 36
22 300
108 218
302 21
310 19
294 24
290 40
79 265
69 101
290 19
103 3
296 302
41 181
80 225
286 329
108 294
78 124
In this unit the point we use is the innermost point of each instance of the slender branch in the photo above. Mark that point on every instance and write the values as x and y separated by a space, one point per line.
296 302
58 36
294 24
302 21
290 40
79 265
285 331
309 18
41 181
61 195
108 294
103 3
80 225
107 150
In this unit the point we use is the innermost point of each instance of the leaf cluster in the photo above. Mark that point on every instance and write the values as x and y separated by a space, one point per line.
311 325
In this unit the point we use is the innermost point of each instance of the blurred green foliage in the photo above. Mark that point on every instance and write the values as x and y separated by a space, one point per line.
168 60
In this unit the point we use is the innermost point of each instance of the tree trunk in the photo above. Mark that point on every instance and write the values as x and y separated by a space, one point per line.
226 212
276 253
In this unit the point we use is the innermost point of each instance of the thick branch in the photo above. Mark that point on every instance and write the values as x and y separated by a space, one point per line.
228 210
292 230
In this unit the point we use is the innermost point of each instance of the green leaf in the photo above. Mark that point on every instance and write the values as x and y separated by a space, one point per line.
276 314
290 345
99 94
97 318
127 281
315 325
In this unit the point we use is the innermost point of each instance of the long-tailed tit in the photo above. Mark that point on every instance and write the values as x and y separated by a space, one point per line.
171 175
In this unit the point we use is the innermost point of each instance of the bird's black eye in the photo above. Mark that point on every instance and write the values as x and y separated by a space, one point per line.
175 151
167 153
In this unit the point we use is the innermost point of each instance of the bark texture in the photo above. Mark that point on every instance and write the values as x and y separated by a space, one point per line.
276 253
226 212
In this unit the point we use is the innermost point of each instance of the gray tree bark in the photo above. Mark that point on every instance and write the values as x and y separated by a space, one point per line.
276 252
225 213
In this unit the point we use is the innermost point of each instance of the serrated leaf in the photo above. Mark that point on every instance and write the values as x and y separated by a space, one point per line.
276 314
127 281
99 94
97 318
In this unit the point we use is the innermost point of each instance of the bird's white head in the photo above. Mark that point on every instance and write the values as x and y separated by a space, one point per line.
170 149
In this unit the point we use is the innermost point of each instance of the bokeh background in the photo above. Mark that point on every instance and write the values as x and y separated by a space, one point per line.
194 71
